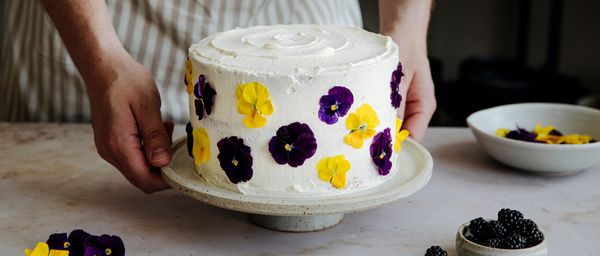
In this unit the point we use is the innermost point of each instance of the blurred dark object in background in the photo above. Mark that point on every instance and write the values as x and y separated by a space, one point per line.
486 81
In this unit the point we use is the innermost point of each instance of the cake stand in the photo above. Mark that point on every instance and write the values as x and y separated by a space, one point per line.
301 214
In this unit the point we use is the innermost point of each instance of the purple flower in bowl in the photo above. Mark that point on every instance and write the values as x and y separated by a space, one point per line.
293 144
235 159
522 134
335 104
205 97
395 85
381 151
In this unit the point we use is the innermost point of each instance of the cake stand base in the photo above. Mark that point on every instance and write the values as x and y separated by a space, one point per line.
307 223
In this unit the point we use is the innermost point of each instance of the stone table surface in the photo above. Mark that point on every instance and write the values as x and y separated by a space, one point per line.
52 180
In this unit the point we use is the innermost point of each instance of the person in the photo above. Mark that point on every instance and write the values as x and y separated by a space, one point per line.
119 51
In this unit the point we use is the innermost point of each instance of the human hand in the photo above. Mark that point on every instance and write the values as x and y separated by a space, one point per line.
128 130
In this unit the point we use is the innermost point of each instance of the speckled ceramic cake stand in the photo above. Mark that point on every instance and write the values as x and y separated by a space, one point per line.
302 214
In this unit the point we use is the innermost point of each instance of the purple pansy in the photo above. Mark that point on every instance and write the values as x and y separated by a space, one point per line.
58 241
205 97
103 245
190 138
522 134
381 151
235 159
335 104
395 85
293 144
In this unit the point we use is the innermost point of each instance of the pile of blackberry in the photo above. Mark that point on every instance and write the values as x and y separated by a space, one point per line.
510 231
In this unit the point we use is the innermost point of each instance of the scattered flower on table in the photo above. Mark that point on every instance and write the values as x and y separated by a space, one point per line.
293 144
79 243
333 170
381 151
254 102
187 79
395 96
335 104
362 125
205 97
400 135
235 159
544 134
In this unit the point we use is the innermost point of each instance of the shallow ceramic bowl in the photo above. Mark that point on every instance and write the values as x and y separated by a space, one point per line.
464 247
539 157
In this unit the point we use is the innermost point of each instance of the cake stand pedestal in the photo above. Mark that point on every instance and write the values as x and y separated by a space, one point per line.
301 214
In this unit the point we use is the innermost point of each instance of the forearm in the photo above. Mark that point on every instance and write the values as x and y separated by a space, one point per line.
405 18
88 34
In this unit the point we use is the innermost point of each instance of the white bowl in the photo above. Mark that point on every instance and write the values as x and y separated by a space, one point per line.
464 247
539 157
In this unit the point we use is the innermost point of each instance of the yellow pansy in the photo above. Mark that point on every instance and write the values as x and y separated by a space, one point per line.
502 132
333 170
542 132
254 102
575 139
42 249
401 135
188 76
201 147
362 125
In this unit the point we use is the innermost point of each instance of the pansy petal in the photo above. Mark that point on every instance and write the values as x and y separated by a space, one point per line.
254 120
239 92
244 107
354 139
325 116
369 133
339 180
41 249
249 93
201 147
325 173
266 108
199 108
277 150
58 253
353 122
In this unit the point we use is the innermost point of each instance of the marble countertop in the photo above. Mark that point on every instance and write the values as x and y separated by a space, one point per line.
51 180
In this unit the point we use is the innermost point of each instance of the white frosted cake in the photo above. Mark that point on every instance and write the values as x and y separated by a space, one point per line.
294 110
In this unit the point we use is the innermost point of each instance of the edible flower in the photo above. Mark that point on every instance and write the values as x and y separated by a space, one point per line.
235 159
381 151
401 135
395 96
293 144
201 146
254 102
190 139
187 79
335 104
545 134
104 245
333 170
42 249
362 125
205 97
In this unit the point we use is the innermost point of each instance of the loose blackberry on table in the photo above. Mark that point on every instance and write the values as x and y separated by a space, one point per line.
435 251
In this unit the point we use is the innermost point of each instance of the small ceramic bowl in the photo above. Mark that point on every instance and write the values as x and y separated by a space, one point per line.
464 247
539 157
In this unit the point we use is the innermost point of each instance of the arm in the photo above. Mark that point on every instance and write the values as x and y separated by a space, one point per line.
128 130
406 21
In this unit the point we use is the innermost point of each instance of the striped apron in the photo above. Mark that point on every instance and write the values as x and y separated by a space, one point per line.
39 82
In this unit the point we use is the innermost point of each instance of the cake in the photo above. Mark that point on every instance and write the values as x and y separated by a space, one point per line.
294 110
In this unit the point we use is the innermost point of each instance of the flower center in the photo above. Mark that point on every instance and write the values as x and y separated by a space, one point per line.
108 251
235 162
362 127
66 245
382 155
334 107
288 147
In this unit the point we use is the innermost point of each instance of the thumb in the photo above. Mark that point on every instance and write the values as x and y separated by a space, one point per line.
155 137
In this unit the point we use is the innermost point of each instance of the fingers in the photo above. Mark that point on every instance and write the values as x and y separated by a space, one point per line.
169 126
420 105
155 137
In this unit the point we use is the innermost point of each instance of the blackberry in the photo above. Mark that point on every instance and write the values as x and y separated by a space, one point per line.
535 238
480 229
515 241
510 218
473 239
494 242
435 251
498 229
526 227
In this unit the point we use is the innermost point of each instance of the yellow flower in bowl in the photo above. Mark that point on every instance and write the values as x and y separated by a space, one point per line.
333 169
362 125
254 102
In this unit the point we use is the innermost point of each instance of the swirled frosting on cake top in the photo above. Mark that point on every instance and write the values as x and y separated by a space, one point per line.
285 49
